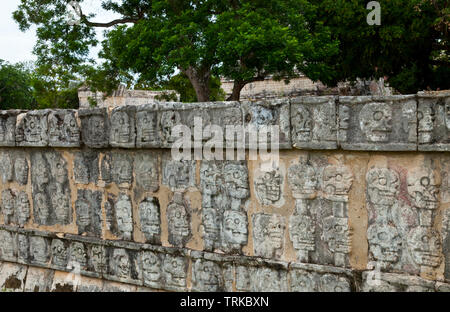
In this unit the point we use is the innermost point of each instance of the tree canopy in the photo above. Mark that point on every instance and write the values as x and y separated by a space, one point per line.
153 40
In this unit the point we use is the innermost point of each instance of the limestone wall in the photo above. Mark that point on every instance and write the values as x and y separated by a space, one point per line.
359 200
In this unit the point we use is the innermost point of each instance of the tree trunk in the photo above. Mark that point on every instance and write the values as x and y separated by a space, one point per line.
236 94
200 83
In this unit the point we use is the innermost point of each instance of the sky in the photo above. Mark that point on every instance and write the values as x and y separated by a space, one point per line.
17 46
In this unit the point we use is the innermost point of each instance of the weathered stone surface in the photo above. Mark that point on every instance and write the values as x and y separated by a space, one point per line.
51 192
94 127
207 276
268 235
152 269
123 130
375 281
40 250
313 121
147 172
89 212
8 249
263 116
22 206
179 221
378 123
119 216
147 126
122 169
60 254
433 115
12 277
63 129
150 221
86 167
8 127
178 174
268 186
175 272
123 265
6 167
38 280
32 128
8 206
21 168
235 231
310 281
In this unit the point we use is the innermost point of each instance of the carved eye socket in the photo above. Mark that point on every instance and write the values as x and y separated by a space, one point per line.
377 115
58 166
419 115
338 228
382 180
382 236
32 125
206 269
425 239
425 181
174 264
338 177
178 214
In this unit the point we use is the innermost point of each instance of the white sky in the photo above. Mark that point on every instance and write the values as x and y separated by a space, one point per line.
16 46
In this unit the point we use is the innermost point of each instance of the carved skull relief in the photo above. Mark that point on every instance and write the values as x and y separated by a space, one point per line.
174 269
121 263
302 179
151 267
235 227
376 121
385 243
21 170
425 245
59 253
268 187
236 181
425 127
22 208
382 186
302 123
150 219
146 127
207 276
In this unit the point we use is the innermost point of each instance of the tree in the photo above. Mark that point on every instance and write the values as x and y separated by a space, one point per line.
411 46
15 87
154 40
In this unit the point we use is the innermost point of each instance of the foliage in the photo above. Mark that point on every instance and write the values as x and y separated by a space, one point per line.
410 47
15 87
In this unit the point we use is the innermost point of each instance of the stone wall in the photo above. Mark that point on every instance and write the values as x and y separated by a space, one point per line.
359 200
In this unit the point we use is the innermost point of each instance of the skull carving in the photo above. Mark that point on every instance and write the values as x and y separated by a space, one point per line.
382 186
42 207
302 232
71 131
425 127
211 224
39 249
59 253
8 205
207 276
302 123
179 223
6 245
124 216
21 170
169 119
302 179
174 271
336 233
23 208
236 181
120 127
268 234
78 254
423 189
121 263
337 180
425 245
385 243
146 126
235 227
149 217
376 121
61 204
96 127
147 173
151 267
268 187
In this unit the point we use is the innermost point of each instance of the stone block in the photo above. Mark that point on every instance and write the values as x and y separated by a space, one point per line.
433 121
123 129
263 117
32 128
378 123
8 127
94 127
89 212
38 280
123 265
313 122
63 128
12 277
148 135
